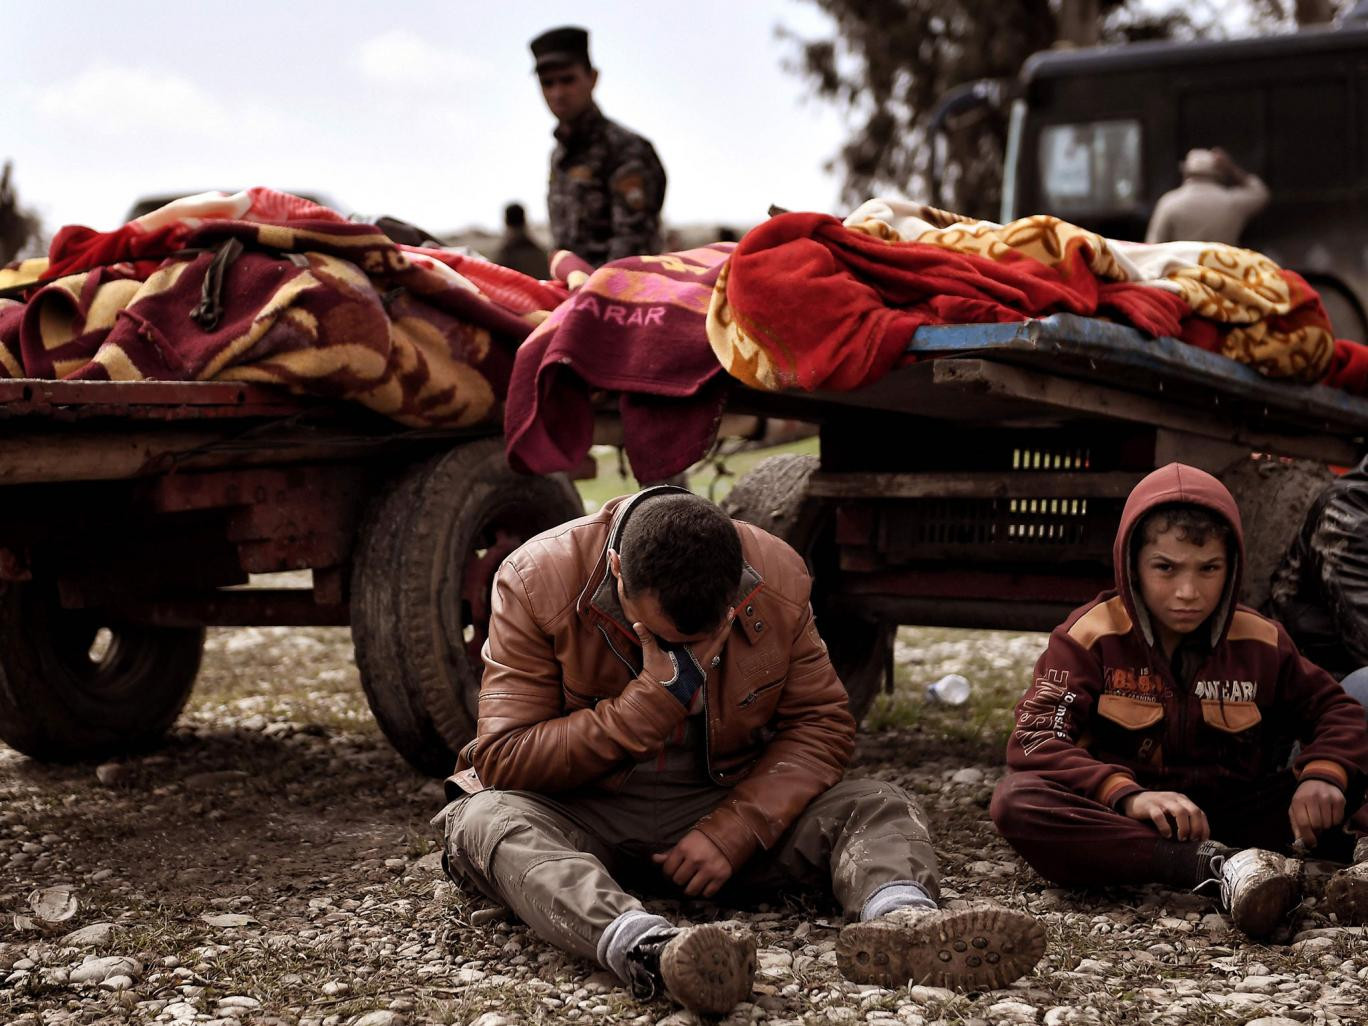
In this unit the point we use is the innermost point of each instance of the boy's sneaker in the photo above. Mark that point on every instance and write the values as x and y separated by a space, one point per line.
982 946
1346 893
1258 889
706 968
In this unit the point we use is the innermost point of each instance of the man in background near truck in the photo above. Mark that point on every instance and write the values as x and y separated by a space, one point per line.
1214 203
607 184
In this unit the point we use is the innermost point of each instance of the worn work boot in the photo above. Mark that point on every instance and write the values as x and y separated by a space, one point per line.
1258 889
979 947
1346 893
705 968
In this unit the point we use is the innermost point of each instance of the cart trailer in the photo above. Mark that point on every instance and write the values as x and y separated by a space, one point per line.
133 513
982 487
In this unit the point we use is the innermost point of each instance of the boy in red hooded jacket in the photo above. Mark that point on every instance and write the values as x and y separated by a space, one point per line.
1156 741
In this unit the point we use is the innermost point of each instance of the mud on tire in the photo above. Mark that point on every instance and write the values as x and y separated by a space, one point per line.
421 575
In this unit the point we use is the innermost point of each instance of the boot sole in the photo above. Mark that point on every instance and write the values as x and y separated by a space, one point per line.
1346 895
709 968
965 949
1266 905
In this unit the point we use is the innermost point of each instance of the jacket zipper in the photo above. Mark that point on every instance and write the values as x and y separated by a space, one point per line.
590 699
707 735
613 648
750 698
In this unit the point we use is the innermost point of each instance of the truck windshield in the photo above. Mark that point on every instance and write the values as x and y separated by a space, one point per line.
1090 167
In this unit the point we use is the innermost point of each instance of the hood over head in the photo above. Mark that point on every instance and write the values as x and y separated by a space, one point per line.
1176 482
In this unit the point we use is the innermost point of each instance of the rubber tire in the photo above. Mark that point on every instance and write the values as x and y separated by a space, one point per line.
1274 496
773 496
419 669
1345 316
58 704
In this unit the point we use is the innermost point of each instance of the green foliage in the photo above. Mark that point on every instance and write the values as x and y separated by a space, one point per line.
888 63
712 478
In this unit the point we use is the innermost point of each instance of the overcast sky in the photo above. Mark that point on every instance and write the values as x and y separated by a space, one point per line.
424 110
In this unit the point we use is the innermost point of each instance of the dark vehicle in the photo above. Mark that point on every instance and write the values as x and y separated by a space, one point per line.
1097 137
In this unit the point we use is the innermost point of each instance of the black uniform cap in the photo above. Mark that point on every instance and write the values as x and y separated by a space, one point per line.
560 46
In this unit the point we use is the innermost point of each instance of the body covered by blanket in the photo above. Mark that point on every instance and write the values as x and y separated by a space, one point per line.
635 326
810 302
320 305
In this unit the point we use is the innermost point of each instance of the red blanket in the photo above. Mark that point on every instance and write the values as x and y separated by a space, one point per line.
636 327
834 308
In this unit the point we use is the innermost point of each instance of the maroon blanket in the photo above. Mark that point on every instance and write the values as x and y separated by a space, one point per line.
635 327
327 308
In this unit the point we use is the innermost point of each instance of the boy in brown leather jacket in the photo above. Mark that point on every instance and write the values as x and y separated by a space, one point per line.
1156 742
657 701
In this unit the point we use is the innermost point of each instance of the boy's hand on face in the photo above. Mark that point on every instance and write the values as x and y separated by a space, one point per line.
1317 805
1174 815
695 864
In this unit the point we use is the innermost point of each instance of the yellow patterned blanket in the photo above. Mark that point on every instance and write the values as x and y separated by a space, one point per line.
809 302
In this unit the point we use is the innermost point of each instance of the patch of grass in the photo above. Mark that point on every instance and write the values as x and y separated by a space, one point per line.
997 664
713 477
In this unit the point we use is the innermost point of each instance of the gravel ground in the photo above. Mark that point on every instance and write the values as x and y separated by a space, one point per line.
273 863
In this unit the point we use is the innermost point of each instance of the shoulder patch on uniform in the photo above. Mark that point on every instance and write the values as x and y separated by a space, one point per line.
1109 617
632 189
1248 626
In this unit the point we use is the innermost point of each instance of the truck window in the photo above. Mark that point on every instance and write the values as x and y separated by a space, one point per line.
1090 167
1310 120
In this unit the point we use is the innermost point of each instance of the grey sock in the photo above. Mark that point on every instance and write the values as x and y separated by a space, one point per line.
624 933
1206 852
895 894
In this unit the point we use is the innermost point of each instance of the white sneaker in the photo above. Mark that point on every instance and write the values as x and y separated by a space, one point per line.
1258 889
1346 895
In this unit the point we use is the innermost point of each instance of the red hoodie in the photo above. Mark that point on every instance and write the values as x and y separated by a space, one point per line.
1107 717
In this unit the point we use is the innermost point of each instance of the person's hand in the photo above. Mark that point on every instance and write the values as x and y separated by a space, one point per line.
1229 172
1174 815
695 864
1316 806
654 659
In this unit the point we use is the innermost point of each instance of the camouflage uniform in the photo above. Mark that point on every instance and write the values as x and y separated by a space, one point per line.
607 187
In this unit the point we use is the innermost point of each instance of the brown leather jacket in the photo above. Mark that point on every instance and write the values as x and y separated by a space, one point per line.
564 702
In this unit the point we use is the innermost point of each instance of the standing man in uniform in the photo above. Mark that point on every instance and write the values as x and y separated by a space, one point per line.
607 184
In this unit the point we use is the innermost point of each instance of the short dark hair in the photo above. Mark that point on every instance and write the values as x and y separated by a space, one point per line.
515 216
1192 523
686 551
